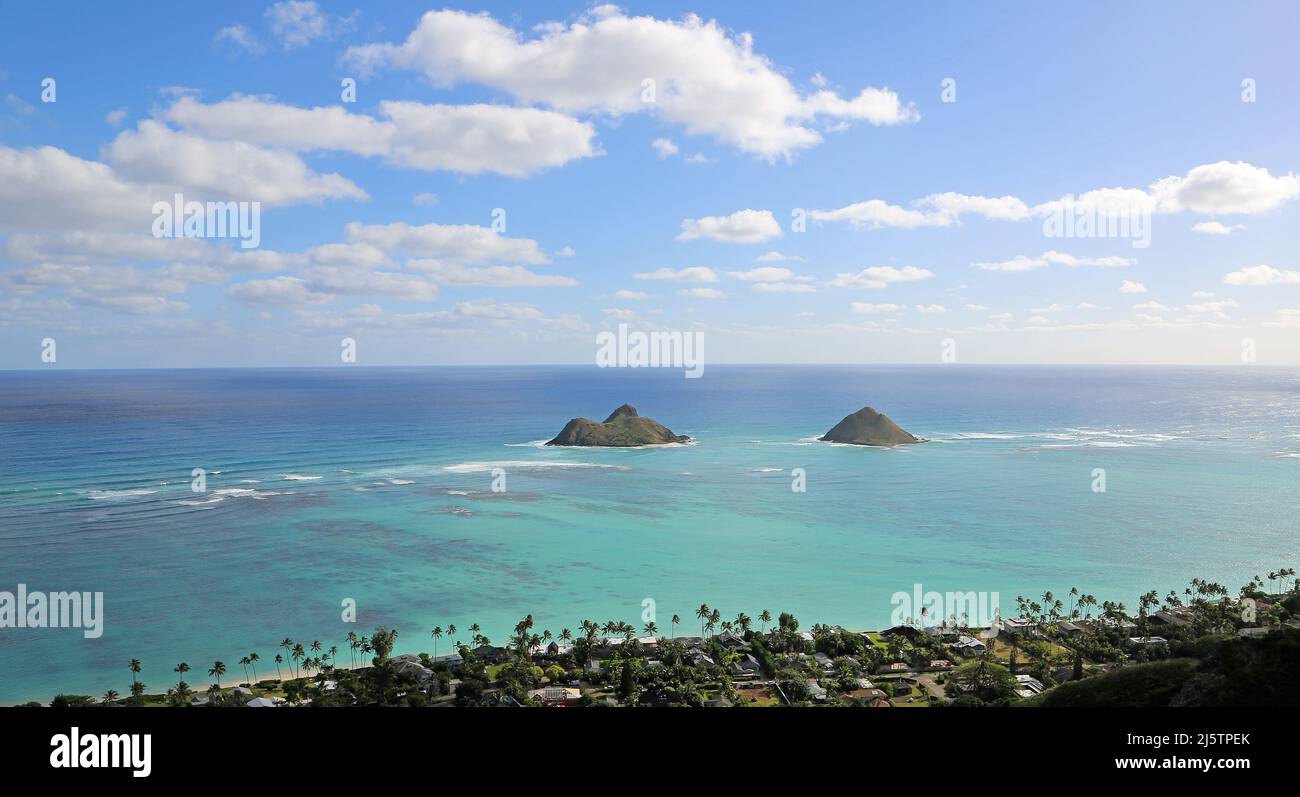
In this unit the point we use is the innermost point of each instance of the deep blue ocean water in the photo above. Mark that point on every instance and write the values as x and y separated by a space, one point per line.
375 485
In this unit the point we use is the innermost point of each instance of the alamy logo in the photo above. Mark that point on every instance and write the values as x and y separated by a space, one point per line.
1118 218
25 609
181 219
970 609
638 349
73 750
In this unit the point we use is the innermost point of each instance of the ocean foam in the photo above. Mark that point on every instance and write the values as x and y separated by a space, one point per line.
486 467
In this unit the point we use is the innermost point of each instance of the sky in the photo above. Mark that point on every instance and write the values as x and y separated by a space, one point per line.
492 183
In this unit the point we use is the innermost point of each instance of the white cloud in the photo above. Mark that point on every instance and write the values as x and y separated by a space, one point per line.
704 79
454 243
297 23
154 153
702 293
1216 309
936 210
741 227
424 200
869 308
776 257
1025 263
783 287
879 276
664 147
1225 187
466 139
277 291
931 308
238 38
1130 286
1216 228
1017 263
689 274
630 296
764 274
489 276
1216 188
115 116
1261 275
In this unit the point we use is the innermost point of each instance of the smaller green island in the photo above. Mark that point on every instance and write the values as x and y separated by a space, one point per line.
866 427
623 428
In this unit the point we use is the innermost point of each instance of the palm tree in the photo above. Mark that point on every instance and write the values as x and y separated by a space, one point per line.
181 687
451 632
651 629
703 614
253 659
298 653
352 647
287 644
109 697
566 635
766 617
743 622
217 670
278 661
672 628
713 620
137 692
436 633
135 669
245 661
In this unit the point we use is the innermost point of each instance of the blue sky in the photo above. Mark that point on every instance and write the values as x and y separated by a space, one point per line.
538 110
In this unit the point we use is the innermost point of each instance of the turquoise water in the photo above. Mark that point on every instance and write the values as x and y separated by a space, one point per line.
375 485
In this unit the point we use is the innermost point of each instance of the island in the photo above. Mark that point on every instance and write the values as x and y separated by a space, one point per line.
623 428
866 427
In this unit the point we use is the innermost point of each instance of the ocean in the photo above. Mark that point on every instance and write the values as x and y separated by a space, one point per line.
375 485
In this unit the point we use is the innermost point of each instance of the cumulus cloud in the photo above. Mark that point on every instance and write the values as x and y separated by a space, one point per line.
1052 257
466 139
237 38
701 77
488 276
935 210
870 308
783 287
1129 286
1262 275
702 293
689 274
297 23
876 277
1210 189
764 274
630 296
741 227
1216 228
776 257
154 153
664 147
464 244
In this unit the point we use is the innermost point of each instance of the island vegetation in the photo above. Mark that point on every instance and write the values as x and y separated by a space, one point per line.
623 428
1200 647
